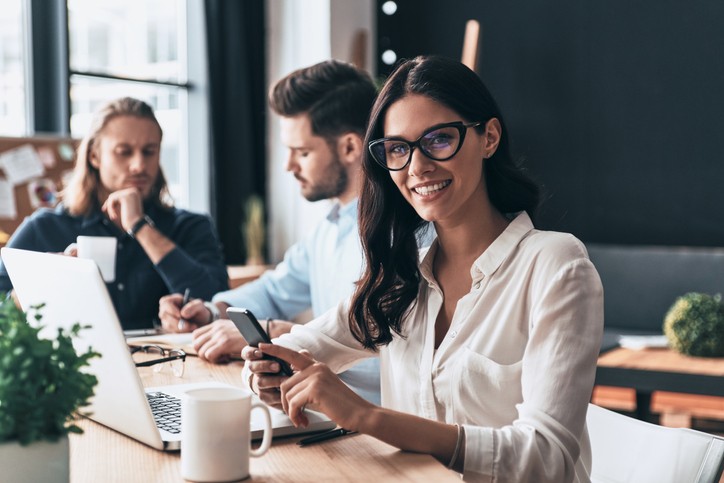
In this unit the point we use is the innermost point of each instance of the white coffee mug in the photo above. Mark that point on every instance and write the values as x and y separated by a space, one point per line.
101 249
216 435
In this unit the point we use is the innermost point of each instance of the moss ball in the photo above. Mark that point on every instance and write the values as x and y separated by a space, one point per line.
694 325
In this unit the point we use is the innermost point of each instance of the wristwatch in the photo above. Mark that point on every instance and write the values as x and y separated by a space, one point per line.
214 310
146 220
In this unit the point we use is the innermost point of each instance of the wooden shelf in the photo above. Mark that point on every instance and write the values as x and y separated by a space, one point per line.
241 274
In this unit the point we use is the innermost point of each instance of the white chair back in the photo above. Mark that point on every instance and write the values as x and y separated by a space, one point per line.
626 450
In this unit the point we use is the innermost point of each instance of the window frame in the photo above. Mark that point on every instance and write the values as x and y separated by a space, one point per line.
49 81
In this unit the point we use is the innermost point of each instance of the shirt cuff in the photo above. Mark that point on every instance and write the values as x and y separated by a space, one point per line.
479 454
215 313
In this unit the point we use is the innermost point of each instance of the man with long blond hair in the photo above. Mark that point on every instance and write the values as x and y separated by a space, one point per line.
118 189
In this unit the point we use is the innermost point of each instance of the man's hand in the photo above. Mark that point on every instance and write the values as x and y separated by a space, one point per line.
216 341
193 313
124 207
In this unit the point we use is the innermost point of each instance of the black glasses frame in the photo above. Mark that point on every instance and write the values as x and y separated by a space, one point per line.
173 355
459 125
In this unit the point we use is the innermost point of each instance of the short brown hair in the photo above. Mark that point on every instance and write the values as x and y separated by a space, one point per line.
335 95
81 194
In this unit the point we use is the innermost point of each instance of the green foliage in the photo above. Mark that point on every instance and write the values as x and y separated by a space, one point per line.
694 325
42 384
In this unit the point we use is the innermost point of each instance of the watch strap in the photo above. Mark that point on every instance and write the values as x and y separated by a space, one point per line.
146 220
215 313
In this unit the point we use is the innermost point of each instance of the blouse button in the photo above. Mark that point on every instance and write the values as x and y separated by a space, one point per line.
477 284
121 287
453 334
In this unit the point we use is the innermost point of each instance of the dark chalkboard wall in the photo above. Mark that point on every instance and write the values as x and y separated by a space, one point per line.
616 106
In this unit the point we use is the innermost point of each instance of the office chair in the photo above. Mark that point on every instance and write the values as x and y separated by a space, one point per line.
627 450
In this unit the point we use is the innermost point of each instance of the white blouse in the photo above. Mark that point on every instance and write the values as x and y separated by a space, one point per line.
516 367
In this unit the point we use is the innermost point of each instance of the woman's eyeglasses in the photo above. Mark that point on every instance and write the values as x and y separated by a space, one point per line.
438 143
176 358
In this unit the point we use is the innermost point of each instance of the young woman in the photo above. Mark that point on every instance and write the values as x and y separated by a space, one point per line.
488 341
118 189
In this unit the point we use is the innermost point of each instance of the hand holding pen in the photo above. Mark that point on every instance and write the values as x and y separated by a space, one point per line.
187 297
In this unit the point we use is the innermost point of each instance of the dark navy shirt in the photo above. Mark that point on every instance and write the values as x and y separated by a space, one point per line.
195 263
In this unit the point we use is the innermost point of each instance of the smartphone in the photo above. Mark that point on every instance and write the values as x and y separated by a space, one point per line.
250 328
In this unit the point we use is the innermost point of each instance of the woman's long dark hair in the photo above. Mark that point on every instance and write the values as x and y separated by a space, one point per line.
389 225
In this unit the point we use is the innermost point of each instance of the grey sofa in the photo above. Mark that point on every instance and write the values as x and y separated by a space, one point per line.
641 283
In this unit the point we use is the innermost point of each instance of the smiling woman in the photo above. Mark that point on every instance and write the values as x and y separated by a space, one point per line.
488 339
118 190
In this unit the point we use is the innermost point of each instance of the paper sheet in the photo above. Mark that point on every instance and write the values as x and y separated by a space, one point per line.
21 164
638 342
47 157
8 208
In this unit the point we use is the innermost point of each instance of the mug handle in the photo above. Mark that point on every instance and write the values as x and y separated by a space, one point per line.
266 440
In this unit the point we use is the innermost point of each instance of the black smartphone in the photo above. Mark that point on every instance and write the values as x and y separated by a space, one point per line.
250 328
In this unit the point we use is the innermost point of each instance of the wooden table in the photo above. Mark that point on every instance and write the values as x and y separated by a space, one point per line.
650 370
103 455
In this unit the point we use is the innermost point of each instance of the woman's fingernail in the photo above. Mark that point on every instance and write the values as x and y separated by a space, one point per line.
257 353
275 367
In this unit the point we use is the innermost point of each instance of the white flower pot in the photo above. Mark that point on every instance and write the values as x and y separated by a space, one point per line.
42 461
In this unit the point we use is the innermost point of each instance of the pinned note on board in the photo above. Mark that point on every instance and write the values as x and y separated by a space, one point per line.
42 192
8 209
66 152
47 157
21 164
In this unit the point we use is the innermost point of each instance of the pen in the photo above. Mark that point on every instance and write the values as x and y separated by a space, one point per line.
187 297
317 438
140 332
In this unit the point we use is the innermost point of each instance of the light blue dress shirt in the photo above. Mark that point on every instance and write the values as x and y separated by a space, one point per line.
318 272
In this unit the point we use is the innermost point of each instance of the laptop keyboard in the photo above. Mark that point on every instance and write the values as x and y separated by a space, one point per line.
166 411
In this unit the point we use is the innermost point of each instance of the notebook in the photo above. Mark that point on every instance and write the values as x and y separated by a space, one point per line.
73 290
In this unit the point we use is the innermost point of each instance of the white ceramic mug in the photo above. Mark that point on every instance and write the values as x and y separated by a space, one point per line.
216 435
101 249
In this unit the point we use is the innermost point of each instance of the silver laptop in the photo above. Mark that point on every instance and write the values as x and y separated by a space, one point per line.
73 290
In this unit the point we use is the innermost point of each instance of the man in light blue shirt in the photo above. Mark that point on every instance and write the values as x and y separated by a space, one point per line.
323 111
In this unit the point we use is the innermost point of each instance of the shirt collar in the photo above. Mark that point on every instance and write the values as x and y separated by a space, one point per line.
339 211
499 251
94 217
493 257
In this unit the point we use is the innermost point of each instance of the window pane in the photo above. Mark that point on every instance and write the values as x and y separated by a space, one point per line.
12 76
87 95
129 38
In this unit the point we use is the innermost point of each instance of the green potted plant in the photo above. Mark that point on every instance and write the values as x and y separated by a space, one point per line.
694 325
42 388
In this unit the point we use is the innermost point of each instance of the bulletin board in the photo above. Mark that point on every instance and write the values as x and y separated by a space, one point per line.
32 172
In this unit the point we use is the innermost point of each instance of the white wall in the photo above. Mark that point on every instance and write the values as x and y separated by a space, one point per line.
301 33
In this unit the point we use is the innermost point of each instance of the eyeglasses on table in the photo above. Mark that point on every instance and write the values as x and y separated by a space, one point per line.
174 358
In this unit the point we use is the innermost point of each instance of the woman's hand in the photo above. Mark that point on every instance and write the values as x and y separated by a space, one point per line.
312 386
